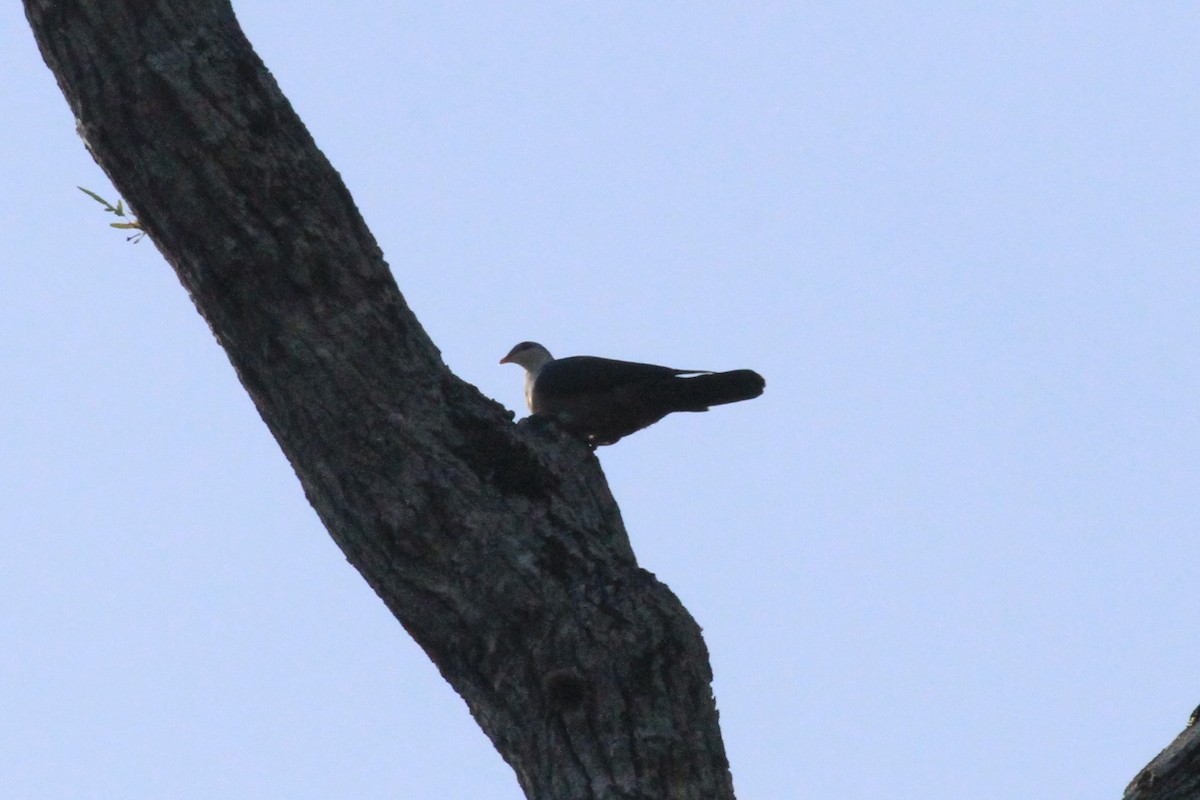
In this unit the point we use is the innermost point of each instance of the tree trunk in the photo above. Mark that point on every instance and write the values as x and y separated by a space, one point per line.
1174 774
498 547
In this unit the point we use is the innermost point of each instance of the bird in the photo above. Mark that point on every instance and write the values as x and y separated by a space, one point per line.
601 400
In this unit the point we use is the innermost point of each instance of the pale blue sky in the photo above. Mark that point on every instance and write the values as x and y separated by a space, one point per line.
950 552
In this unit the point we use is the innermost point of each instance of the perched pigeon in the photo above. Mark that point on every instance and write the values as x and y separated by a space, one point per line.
600 400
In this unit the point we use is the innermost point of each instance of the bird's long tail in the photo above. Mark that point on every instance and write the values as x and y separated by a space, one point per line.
698 392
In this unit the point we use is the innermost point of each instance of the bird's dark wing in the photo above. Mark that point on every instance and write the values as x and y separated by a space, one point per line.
601 399
589 375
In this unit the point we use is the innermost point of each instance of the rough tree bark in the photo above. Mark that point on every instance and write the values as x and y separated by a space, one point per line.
498 547
1174 774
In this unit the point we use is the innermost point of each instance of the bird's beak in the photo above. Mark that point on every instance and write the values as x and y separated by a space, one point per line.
504 360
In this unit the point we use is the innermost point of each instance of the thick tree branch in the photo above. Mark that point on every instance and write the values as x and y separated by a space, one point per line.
498 547
1174 774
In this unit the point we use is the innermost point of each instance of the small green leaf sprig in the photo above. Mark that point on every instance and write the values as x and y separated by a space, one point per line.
118 210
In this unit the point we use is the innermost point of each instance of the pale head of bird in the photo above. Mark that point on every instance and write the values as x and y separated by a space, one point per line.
530 355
